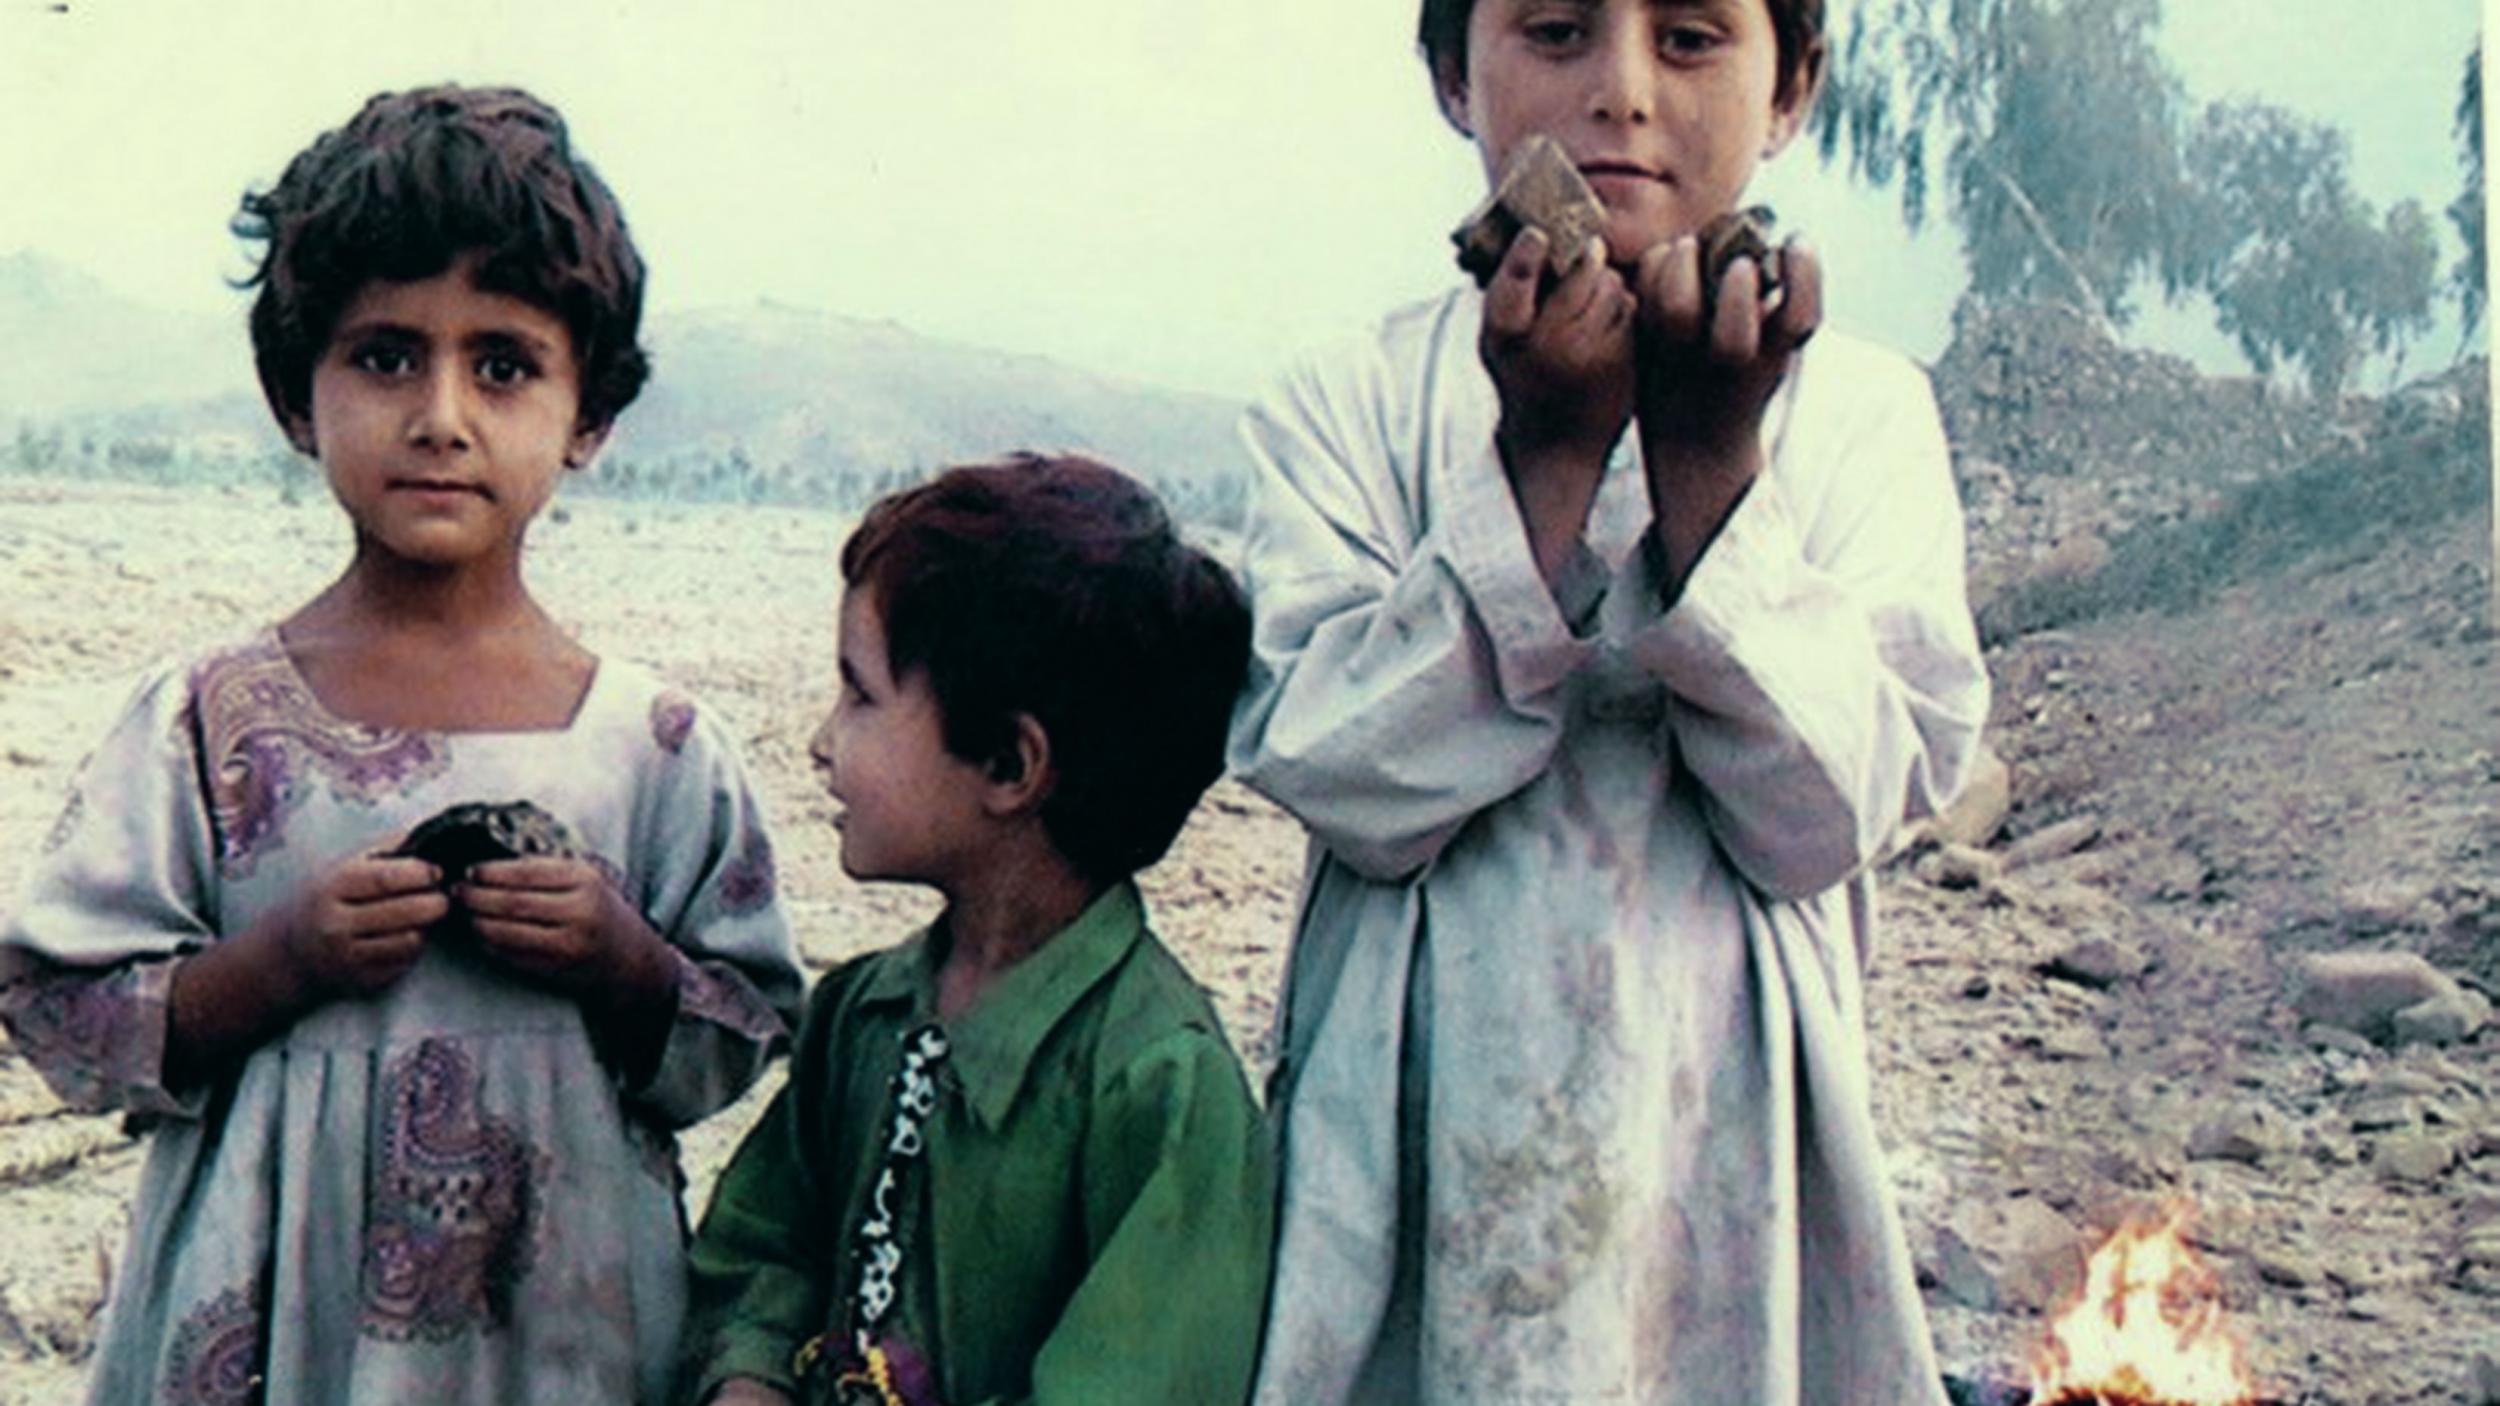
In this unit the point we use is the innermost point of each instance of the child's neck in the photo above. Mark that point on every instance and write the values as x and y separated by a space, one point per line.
381 591
1009 911
390 644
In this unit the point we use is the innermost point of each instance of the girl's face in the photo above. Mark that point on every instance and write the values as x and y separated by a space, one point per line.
1666 106
443 415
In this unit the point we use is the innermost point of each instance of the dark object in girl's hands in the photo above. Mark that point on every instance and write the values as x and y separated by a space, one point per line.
1539 189
1738 234
481 832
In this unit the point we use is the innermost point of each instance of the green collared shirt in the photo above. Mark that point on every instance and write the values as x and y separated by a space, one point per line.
1098 1194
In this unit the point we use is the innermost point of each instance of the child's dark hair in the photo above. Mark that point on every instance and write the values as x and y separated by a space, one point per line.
412 183
1442 33
1056 587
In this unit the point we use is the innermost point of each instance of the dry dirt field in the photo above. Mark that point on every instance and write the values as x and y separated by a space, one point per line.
2026 1113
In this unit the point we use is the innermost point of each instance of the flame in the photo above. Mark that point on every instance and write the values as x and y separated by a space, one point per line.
2148 1329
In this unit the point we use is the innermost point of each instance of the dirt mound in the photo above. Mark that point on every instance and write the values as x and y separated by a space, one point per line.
2037 388
2103 478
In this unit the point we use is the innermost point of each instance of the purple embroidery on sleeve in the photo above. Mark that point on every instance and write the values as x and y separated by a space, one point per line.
216 1354
672 718
264 734
77 1025
747 882
453 1206
715 993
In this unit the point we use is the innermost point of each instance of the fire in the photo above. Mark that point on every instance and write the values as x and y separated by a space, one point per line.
2148 1330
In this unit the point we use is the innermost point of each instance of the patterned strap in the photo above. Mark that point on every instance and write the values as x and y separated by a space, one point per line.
879 1243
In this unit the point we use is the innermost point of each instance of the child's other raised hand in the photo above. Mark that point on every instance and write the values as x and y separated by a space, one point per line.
746 1391
1703 384
1707 368
1561 362
560 921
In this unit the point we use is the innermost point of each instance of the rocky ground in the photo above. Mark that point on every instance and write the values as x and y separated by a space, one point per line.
2089 1005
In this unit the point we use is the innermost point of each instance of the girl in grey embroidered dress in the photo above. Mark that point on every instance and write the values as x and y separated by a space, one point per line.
412 1133
440 1194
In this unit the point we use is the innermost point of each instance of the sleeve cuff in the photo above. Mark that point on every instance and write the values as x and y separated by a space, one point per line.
713 994
145 1093
759 1353
97 1035
1751 570
1539 634
718 1042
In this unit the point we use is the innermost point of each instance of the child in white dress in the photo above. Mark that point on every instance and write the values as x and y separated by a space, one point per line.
1605 635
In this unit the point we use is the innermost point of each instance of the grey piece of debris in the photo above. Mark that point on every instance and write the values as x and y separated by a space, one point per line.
1539 188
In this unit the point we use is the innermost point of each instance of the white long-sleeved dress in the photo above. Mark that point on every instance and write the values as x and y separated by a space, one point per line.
1573 1085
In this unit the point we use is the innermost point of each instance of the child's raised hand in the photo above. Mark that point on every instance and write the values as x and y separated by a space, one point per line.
359 927
351 932
1562 366
746 1391
1707 368
1561 362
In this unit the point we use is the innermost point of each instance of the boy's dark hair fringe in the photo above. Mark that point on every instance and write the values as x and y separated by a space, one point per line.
1441 31
1057 587
409 185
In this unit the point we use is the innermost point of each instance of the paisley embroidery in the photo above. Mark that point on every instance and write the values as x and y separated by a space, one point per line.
263 731
453 1205
747 882
216 1355
672 718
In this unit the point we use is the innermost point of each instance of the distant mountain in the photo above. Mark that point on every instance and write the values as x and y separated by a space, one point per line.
814 394
77 348
761 401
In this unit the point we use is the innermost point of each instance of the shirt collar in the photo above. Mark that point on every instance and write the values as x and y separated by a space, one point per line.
992 1045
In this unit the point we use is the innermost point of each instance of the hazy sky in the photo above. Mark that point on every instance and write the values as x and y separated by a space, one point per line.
1182 191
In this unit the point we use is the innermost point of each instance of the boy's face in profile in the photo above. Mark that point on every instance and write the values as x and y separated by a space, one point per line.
911 809
1666 106
443 415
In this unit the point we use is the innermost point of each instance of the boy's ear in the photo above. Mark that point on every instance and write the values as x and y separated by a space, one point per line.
1795 102
1449 85
585 444
1022 774
299 433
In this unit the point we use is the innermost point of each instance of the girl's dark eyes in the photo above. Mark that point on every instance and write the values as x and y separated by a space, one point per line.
1688 39
504 369
383 359
496 368
1675 41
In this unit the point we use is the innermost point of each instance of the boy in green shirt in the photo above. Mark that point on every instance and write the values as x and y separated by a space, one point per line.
1016 1160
